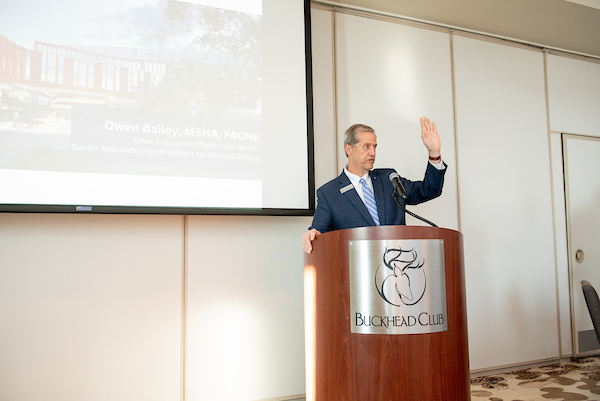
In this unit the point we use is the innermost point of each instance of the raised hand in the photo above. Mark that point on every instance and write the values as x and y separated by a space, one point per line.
430 137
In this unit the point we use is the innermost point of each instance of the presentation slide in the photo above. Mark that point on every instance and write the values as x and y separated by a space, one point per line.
155 103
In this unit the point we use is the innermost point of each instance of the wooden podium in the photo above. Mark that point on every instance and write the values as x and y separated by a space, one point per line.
345 366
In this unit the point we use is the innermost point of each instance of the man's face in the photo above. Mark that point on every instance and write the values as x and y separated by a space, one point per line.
361 156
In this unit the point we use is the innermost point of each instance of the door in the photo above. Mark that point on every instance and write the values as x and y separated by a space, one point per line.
582 189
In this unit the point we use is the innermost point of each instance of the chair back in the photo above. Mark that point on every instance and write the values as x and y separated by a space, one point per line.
593 304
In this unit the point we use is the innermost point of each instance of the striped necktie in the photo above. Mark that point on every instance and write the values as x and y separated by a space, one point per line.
370 201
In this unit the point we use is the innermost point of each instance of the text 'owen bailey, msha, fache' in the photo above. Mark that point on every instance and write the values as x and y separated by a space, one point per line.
187 131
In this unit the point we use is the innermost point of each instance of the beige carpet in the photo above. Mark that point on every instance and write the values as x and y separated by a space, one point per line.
577 379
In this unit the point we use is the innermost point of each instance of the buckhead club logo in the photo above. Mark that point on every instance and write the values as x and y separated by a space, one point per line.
402 280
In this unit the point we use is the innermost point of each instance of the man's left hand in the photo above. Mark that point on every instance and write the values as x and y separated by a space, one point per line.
430 137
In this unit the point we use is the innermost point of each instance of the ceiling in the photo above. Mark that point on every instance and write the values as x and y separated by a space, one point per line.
571 25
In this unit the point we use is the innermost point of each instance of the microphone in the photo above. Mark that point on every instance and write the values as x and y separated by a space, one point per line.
399 190
398 187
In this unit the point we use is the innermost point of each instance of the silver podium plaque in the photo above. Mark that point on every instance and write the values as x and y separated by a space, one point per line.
397 287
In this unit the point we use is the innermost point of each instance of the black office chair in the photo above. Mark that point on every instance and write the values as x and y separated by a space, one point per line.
593 304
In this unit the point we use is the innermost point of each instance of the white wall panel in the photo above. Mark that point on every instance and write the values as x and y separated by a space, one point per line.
390 75
90 307
323 96
245 335
506 211
574 95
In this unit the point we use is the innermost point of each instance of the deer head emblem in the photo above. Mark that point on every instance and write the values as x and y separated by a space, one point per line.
400 280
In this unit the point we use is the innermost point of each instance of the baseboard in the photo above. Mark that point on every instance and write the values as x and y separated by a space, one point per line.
285 398
509 368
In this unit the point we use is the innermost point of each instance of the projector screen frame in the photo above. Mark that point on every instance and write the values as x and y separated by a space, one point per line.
176 210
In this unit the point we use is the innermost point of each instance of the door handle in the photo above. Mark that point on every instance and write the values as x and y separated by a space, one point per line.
579 256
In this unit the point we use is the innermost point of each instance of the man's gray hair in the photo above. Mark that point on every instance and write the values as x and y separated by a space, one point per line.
351 134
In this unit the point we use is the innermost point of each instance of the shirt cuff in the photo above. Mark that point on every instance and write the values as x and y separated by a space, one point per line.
439 166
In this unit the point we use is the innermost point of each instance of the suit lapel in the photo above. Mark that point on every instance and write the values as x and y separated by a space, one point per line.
353 197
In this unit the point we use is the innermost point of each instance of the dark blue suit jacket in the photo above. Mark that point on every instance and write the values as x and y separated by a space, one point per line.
340 207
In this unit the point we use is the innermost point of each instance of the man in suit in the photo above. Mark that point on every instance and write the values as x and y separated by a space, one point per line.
362 196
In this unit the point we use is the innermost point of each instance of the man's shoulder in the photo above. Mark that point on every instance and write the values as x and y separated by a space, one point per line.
334 183
382 172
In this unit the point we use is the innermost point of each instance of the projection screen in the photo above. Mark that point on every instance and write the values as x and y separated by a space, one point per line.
156 106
